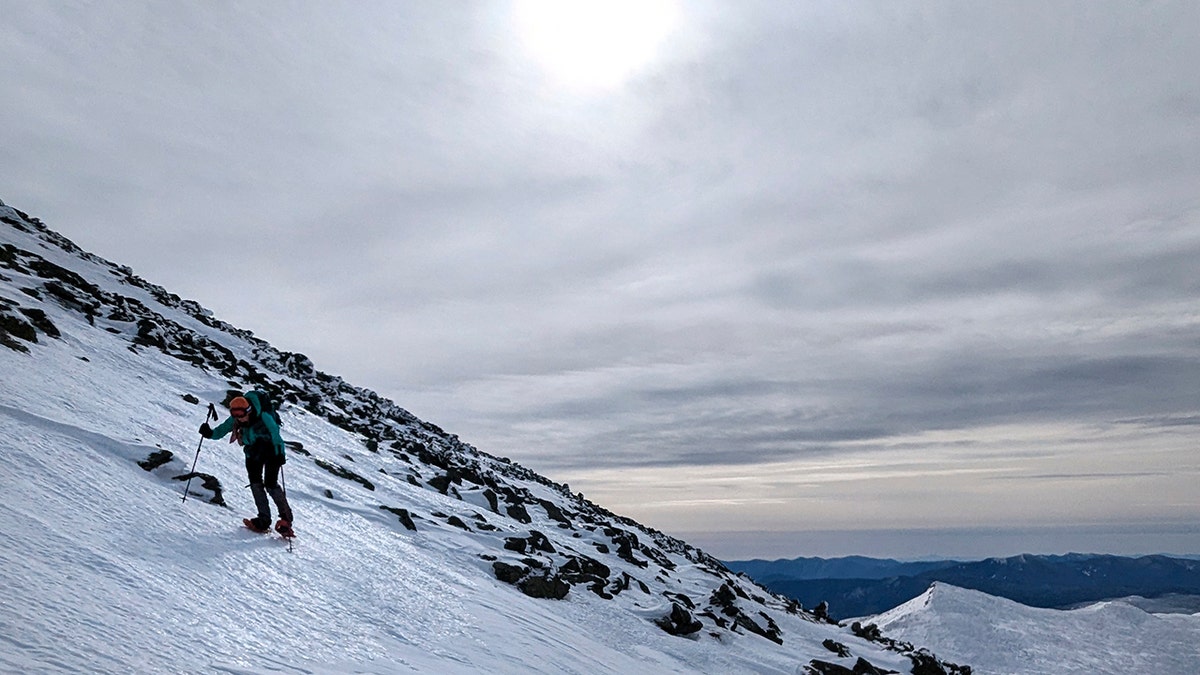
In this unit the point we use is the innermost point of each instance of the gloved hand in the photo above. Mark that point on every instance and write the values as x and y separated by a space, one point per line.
205 430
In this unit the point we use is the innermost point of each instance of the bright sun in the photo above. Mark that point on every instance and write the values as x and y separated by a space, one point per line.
594 43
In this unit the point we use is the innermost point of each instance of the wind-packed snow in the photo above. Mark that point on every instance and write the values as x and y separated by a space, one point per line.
105 569
998 636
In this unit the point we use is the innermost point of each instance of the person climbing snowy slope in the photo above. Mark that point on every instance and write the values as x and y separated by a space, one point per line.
258 434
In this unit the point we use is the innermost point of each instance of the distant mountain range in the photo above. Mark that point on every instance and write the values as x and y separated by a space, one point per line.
858 586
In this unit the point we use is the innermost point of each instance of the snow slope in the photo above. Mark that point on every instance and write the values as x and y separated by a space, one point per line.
416 552
999 636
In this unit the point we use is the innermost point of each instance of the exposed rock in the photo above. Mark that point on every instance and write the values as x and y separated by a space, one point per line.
725 599
682 597
868 632
821 612
441 483
625 543
679 622
925 663
403 514
208 482
836 647
548 586
540 585
493 502
554 512
14 326
41 322
817 667
518 513
156 459
509 574
342 472
585 566
865 667
861 667
458 522
536 541
771 632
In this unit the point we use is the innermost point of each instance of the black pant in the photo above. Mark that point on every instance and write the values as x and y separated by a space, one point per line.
262 468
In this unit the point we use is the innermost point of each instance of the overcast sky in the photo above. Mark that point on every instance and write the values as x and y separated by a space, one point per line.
768 276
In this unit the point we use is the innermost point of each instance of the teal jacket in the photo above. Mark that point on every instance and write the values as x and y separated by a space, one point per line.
256 428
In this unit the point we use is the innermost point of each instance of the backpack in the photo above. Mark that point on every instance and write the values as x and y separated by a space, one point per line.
265 405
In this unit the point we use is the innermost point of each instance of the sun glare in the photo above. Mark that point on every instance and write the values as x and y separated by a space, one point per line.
594 44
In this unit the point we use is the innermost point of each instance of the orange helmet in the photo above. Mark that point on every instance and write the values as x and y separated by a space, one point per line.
239 406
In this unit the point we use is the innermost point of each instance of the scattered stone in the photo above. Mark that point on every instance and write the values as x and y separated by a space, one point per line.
457 522
156 459
441 483
208 482
679 622
544 587
404 515
821 613
836 647
518 513
818 667
41 322
342 472
865 667
509 574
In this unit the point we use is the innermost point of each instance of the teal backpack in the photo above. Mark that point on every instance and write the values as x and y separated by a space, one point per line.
265 405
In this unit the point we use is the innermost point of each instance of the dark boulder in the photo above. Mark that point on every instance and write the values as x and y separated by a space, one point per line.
548 587
208 482
836 647
821 612
156 459
817 667
518 513
404 515
509 574
679 621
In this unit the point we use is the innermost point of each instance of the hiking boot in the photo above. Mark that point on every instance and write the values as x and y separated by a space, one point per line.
258 524
284 528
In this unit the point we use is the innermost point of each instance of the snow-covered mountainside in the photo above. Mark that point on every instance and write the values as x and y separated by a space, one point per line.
416 552
999 636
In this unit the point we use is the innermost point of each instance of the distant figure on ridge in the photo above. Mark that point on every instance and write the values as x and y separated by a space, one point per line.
258 433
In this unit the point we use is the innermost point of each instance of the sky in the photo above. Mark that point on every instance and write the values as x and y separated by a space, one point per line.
781 279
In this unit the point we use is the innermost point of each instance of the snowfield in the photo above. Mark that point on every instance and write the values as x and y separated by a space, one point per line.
999 636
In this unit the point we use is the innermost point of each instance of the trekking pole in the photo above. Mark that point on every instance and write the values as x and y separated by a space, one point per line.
210 415
283 484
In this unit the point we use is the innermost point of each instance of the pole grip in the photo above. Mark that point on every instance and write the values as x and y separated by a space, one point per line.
210 415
